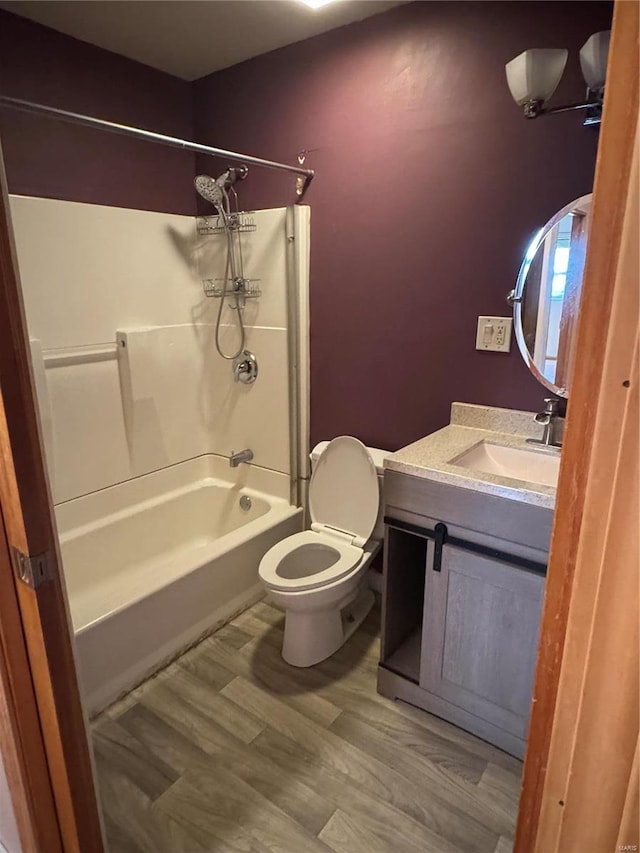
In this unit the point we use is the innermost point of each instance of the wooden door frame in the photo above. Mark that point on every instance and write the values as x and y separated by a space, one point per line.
36 641
587 402
595 727
21 741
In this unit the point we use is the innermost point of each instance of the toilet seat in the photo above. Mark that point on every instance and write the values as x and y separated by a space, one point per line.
343 504
343 491
296 553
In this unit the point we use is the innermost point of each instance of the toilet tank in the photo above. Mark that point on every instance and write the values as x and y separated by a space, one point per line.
378 457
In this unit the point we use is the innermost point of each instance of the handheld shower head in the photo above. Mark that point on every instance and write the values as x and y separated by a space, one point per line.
214 190
210 190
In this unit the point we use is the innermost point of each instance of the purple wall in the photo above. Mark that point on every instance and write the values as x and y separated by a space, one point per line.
429 181
429 185
57 160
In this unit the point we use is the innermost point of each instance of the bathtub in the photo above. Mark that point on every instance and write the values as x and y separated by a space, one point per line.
153 564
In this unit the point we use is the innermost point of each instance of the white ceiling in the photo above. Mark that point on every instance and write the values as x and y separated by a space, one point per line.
191 38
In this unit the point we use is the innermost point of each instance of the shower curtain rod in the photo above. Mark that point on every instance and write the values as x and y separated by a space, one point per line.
150 136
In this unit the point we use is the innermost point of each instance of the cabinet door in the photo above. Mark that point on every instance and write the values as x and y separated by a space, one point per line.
480 636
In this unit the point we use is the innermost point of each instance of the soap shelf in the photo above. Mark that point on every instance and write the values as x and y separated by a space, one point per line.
239 222
245 288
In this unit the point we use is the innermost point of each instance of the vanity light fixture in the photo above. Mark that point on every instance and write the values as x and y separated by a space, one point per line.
533 77
316 4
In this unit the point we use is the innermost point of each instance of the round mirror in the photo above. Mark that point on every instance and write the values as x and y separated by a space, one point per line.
546 298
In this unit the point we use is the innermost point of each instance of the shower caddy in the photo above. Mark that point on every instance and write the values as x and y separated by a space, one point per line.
242 287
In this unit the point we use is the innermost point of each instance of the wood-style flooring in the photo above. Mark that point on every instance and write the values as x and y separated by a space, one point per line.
230 749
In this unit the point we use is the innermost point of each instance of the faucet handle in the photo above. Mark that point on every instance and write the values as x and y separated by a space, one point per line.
551 405
245 367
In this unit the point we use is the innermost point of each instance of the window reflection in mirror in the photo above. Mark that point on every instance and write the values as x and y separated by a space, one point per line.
550 281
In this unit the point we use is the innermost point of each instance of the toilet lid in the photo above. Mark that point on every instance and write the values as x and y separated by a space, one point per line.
344 493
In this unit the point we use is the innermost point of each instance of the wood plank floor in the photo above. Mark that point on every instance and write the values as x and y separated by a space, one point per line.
230 749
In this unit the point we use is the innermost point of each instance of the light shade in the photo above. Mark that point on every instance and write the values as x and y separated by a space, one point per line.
593 59
534 75
317 4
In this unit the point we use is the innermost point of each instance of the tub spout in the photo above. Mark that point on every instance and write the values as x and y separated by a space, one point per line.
243 456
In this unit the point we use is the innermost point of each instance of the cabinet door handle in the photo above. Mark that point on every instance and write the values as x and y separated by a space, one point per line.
440 537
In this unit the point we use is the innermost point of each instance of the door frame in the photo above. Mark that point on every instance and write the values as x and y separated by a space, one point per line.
21 739
582 464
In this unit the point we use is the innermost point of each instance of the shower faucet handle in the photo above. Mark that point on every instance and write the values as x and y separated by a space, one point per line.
245 368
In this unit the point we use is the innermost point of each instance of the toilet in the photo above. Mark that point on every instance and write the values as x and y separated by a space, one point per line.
317 576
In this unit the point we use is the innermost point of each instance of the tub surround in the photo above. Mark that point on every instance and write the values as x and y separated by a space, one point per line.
166 396
433 457
139 416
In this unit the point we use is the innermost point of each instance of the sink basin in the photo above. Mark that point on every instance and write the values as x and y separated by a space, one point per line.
534 466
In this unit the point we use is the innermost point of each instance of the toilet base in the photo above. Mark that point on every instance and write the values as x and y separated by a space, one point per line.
311 636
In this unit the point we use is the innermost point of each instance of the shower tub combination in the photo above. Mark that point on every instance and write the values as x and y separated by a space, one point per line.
154 563
157 561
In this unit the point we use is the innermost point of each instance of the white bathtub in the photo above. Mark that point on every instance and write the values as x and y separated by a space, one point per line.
154 563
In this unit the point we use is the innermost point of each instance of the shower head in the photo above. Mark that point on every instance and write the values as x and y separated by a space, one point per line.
210 189
214 190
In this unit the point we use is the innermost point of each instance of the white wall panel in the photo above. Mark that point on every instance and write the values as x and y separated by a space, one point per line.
89 439
264 255
87 269
9 838
89 272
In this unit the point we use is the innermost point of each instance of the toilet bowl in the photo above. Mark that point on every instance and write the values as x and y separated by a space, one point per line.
317 576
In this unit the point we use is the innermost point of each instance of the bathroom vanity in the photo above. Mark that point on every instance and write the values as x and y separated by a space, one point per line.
468 515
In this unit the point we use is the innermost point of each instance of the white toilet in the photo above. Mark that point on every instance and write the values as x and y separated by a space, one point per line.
317 575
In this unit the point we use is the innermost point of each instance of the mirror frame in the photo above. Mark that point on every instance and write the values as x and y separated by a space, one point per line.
516 296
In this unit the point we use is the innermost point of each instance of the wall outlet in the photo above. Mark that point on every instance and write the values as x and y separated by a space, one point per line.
494 333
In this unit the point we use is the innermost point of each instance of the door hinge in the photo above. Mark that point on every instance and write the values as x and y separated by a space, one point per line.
33 571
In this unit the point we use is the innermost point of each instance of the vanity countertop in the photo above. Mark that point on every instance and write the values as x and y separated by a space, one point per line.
431 457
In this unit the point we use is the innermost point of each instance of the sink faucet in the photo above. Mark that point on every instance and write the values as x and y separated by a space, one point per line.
549 418
243 456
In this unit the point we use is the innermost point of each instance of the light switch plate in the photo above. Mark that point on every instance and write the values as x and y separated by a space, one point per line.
494 334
